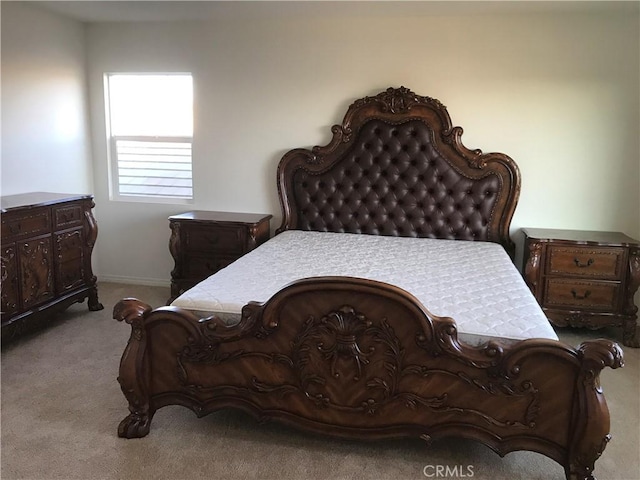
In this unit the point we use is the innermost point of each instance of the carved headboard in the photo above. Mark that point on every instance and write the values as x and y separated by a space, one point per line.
396 166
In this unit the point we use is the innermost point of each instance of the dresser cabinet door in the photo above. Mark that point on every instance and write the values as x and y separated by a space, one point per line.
35 263
9 280
70 260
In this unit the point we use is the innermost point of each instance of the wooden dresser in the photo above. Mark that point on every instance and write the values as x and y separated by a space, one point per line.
47 240
203 242
584 279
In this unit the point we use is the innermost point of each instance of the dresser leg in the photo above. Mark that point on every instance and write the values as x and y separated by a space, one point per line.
94 303
631 334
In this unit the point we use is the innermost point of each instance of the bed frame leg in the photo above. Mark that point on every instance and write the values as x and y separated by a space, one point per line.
134 368
135 425
591 417
582 466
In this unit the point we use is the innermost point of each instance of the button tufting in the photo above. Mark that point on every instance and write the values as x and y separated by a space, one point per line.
376 191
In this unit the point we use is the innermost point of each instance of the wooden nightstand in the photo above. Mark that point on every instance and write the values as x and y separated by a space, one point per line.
204 242
584 279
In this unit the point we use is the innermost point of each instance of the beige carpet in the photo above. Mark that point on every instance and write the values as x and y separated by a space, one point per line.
61 405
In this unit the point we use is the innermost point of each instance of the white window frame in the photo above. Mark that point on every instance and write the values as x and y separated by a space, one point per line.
117 190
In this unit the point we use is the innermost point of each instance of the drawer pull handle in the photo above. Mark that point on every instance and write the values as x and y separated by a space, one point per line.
580 297
583 265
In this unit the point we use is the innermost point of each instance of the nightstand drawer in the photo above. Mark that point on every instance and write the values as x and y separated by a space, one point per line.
218 239
202 267
580 294
605 263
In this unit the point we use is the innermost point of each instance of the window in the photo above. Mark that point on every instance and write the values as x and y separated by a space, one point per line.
150 130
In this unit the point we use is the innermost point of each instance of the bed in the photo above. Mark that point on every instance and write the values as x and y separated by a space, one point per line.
385 306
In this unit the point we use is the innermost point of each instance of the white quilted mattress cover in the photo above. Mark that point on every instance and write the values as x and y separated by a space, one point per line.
475 283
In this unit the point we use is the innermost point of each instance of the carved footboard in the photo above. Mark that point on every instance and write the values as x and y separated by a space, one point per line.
357 358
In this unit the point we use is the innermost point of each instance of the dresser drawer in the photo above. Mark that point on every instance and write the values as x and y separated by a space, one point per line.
215 239
67 216
604 263
31 224
569 293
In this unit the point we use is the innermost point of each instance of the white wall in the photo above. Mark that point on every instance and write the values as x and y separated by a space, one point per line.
45 134
558 92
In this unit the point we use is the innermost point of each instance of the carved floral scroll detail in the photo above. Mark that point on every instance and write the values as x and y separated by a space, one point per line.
595 357
398 100
8 279
590 438
532 266
345 346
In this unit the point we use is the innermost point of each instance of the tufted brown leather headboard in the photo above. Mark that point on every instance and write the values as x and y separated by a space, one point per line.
396 166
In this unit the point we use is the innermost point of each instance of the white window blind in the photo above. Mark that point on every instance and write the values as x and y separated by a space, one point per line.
151 134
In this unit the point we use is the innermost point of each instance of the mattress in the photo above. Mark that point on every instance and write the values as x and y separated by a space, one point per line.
475 283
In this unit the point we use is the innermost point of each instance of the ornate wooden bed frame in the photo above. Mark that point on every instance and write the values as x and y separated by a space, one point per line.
361 359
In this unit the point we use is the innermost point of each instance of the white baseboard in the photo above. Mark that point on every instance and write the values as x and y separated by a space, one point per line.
147 282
